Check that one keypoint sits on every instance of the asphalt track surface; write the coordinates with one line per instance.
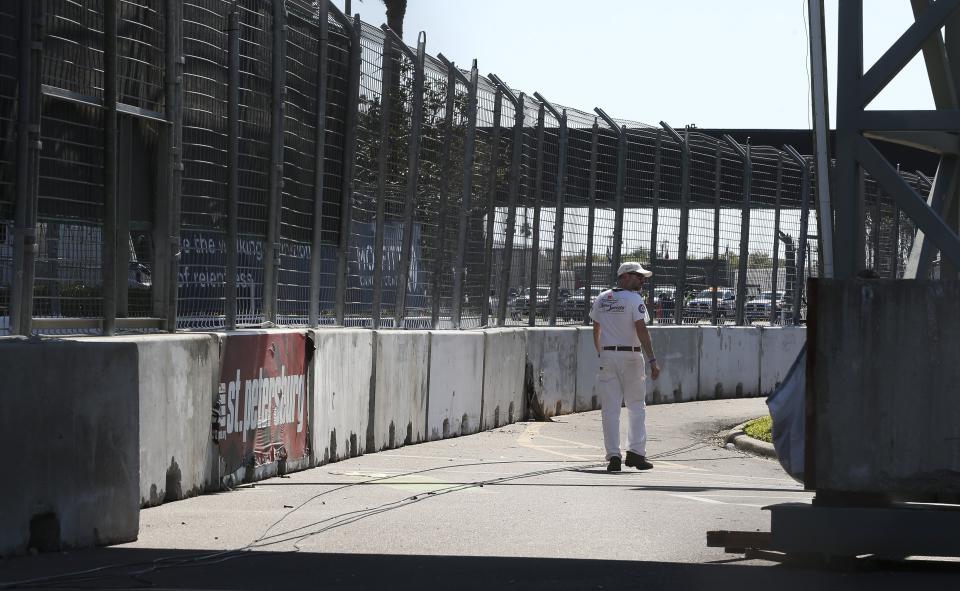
(526, 506)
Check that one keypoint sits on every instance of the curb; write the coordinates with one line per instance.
(748, 444)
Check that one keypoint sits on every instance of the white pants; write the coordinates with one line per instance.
(622, 380)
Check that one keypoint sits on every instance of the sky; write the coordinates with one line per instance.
(739, 64)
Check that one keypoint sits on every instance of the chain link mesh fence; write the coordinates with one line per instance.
(543, 183)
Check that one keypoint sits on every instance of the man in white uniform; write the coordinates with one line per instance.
(620, 335)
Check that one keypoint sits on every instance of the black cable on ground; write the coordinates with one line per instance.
(199, 559)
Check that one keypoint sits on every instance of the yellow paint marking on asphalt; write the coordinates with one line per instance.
(532, 431)
(575, 443)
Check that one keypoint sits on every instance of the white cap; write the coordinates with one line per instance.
(632, 267)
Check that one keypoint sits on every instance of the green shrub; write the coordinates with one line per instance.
(760, 428)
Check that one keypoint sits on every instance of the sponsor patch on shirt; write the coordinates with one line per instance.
(642, 308)
(615, 307)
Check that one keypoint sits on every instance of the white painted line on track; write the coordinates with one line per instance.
(714, 502)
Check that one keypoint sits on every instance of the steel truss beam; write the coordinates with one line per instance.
(918, 128)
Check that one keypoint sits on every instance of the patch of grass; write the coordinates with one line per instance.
(760, 428)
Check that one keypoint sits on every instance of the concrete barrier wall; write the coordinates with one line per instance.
(553, 353)
(342, 367)
(678, 352)
(456, 384)
(730, 362)
(144, 405)
(779, 347)
(70, 415)
(177, 377)
(504, 354)
(588, 364)
(401, 359)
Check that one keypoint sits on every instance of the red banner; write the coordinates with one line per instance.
(262, 399)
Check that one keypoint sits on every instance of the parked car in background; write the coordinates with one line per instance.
(571, 307)
(758, 308)
(543, 294)
(701, 306)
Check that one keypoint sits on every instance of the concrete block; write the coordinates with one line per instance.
(588, 364)
(401, 359)
(678, 352)
(342, 368)
(177, 384)
(729, 362)
(456, 383)
(884, 373)
(779, 347)
(70, 413)
(504, 354)
(553, 353)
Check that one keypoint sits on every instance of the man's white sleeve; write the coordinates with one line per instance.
(640, 311)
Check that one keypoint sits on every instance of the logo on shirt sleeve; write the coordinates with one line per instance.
(642, 309)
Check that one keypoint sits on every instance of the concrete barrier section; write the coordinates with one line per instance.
(729, 362)
(342, 367)
(553, 353)
(678, 352)
(779, 347)
(401, 361)
(456, 383)
(588, 364)
(70, 413)
(504, 361)
(178, 384)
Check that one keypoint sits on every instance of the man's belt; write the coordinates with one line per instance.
(623, 348)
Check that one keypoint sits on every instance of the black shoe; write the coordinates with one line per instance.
(637, 461)
(614, 465)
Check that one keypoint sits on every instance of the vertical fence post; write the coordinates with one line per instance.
(512, 196)
(319, 164)
(349, 153)
(537, 197)
(684, 230)
(805, 196)
(28, 149)
(744, 152)
(616, 247)
(591, 220)
(491, 208)
(559, 217)
(108, 264)
(466, 198)
(233, 164)
(715, 275)
(382, 156)
(654, 224)
(561, 188)
(445, 173)
(776, 243)
(173, 79)
(271, 251)
(413, 174)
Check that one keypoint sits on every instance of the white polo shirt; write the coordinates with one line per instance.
(617, 311)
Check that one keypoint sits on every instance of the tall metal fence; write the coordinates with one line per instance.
(205, 164)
